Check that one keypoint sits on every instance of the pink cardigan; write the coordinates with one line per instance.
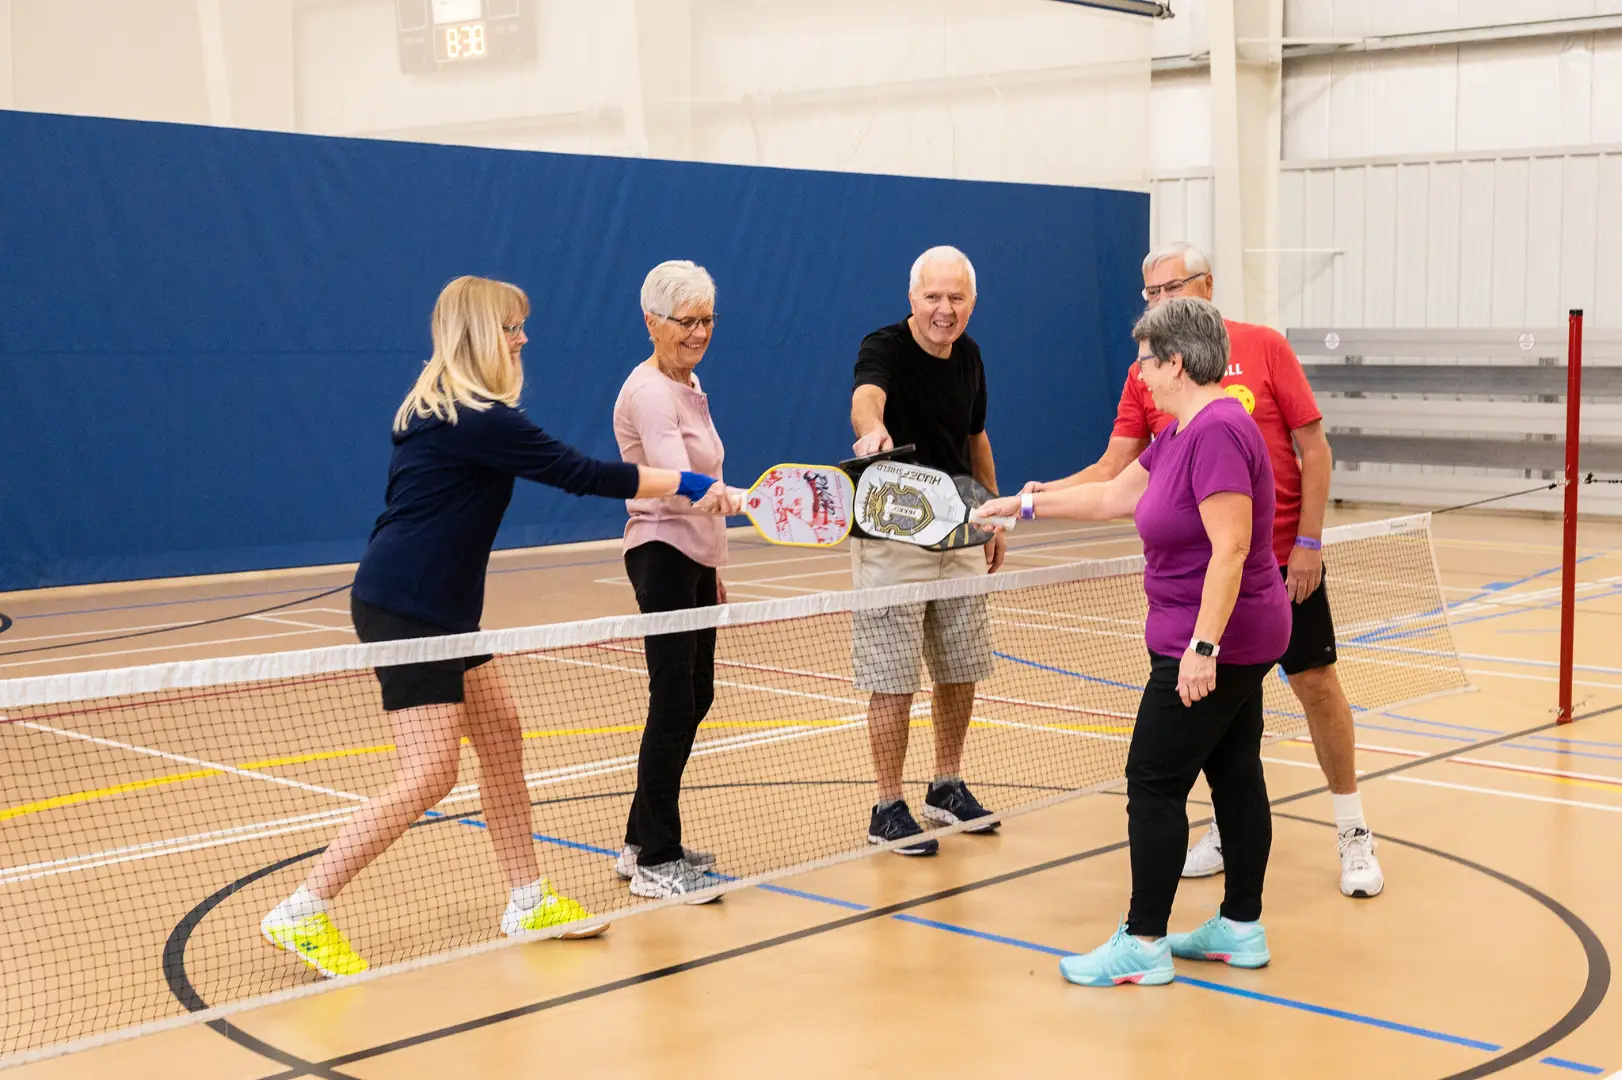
(662, 424)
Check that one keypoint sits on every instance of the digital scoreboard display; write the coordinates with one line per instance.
(448, 36)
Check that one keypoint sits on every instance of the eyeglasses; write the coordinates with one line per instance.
(693, 322)
(1170, 288)
(515, 329)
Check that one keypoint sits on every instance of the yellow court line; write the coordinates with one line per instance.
(322, 755)
(100, 793)
(75, 798)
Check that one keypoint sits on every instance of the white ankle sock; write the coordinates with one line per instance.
(300, 905)
(525, 897)
(945, 778)
(1236, 922)
(1348, 811)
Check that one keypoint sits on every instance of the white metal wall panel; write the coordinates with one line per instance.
(1607, 262)
(1414, 260)
(1380, 257)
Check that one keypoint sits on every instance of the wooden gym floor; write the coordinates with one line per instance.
(1486, 955)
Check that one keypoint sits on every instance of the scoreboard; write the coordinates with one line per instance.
(445, 36)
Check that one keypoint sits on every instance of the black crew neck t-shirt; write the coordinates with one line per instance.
(934, 402)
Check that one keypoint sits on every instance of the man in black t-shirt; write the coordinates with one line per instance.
(921, 381)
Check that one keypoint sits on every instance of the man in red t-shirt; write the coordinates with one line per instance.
(1265, 375)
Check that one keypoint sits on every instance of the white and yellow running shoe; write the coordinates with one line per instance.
(551, 910)
(316, 941)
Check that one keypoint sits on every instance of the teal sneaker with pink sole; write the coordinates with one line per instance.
(1240, 945)
(1121, 959)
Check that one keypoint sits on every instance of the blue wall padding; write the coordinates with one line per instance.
(204, 333)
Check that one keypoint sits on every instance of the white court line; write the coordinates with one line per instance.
(115, 631)
(560, 775)
(1480, 763)
(1522, 677)
(211, 643)
(252, 774)
(1050, 706)
(345, 629)
(1485, 657)
(1471, 788)
(280, 826)
(1505, 794)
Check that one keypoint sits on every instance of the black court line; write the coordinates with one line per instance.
(172, 629)
(174, 949)
(1598, 960)
(1595, 987)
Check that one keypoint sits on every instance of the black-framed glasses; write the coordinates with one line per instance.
(690, 323)
(1171, 288)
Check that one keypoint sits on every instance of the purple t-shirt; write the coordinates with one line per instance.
(1222, 450)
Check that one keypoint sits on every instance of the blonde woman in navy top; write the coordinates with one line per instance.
(460, 439)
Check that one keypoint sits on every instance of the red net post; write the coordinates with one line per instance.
(1568, 552)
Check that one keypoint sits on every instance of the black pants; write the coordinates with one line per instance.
(681, 687)
(1222, 734)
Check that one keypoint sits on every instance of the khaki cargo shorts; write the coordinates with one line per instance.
(888, 644)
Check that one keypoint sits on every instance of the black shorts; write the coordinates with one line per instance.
(407, 686)
(1312, 631)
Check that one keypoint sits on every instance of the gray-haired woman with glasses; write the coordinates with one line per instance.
(672, 557)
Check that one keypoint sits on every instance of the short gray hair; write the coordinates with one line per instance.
(940, 253)
(1194, 260)
(673, 285)
(1189, 327)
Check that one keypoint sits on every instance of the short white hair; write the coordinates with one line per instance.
(675, 284)
(1194, 260)
(940, 253)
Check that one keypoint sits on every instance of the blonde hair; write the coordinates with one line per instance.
(471, 367)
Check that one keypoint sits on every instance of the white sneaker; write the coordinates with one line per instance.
(1360, 874)
(1204, 858)
(678, 877)
(625, 865)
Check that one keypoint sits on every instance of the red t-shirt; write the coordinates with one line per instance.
(1266, 377)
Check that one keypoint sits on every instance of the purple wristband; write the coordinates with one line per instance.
(1309, 543)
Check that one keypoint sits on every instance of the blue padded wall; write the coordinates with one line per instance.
(205, 332)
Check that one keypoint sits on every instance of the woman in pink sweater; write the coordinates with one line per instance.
(673, 557)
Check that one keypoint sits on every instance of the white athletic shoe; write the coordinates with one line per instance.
(625, 865)
(678, 877)
(1204, 858)
(1360, 874)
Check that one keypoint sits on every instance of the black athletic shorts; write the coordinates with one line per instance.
(1312, 631)
(407, 686)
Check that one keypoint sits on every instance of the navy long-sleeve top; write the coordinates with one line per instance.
(449, 486)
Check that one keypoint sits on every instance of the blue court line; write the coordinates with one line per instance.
(1365, 726)
(1019, 943)
(1256, 995)
(1434, 723)
(1575, 742)
(1072, 674)
(1397, 635)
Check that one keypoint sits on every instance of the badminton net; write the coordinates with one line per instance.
(152, 815)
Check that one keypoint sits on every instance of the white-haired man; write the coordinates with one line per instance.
(1266, 376)
(921, 381)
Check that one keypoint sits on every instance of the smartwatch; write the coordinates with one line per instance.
(1027, 506)
(1204, 648)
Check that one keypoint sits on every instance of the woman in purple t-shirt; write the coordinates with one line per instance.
(1202, 499)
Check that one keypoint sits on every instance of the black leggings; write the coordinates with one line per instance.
(1222, 734)
(681, 687)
